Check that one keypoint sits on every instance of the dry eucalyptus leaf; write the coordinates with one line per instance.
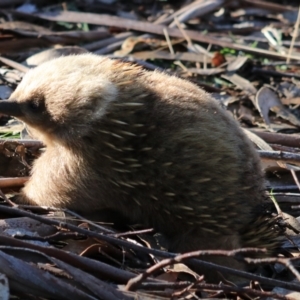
(267, 100)
(168, 276)
(182, 268)
(241, 83)
(129, 44)
(236, 63)
(259, 142)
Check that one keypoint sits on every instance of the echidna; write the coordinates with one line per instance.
(153, 147)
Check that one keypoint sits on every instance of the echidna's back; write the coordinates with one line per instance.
(183, 161)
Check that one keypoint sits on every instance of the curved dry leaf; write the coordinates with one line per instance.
(129, 44)
(267, 100)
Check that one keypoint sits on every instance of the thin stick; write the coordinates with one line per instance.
(168, 41)
(295, 34)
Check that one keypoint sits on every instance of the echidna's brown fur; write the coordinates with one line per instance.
(154, 147)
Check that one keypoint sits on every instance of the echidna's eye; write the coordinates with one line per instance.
(34, 105)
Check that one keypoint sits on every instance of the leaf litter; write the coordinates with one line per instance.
(246, 53)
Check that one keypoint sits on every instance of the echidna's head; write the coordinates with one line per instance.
(64, 96)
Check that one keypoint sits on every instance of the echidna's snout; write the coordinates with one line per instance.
(11, 108)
